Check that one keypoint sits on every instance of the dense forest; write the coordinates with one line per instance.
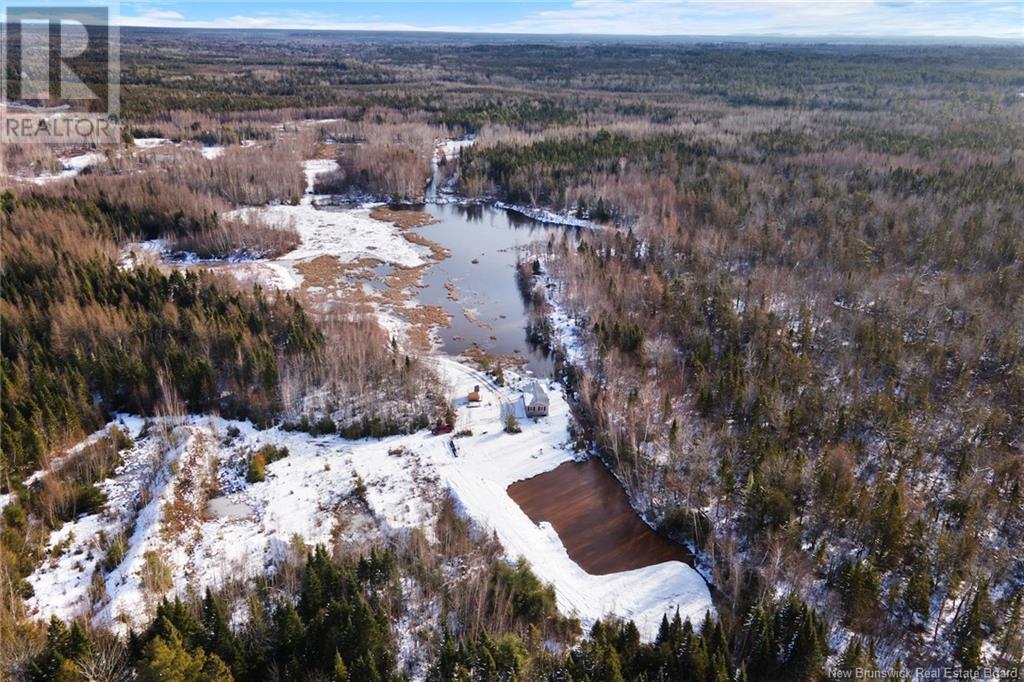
(801, 316)
(328, 618)
(84, 337)
(824, 315)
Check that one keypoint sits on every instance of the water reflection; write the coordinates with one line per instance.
(485, 245)
(471, 212)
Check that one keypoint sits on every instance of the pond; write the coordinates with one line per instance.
(485, 245)
(224, 508)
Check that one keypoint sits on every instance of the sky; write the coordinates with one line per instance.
(1002, 19)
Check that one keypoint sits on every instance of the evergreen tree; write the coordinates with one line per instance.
(859, 587)
(763, 657)
(448, 660)
(63, 646)
(918, 595)
(851, 659)
(340, 670)
(166, 659)
(217, 635)
(289, 635)
(971, 629)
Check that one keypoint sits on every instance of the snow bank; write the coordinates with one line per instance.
(544, 215)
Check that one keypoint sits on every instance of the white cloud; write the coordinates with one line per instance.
(779, 17)
(269, 21)
(162, 15)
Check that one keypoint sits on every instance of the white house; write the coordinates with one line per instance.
(536, 401)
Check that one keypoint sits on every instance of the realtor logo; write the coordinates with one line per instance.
(61, 75)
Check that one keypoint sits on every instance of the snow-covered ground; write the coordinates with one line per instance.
(302, 495)
(491, 460)
(452, 148)
(311, 169)
(447, 149)
(150, 142)
(175, 473)
(61, 584)
(208, 151)
(545, 216)
(270, 274)
(72, 166)
(348, 234)
(212, 152)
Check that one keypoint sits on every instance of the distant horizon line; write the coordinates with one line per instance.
(638, 37)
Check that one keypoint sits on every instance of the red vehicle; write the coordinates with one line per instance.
(442, 428)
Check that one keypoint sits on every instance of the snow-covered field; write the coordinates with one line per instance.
(348, 234)
(491, 460)
(303, 493)
(72, 166)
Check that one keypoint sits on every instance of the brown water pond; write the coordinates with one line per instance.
(589, 510)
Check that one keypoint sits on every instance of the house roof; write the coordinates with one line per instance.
(537, 395)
